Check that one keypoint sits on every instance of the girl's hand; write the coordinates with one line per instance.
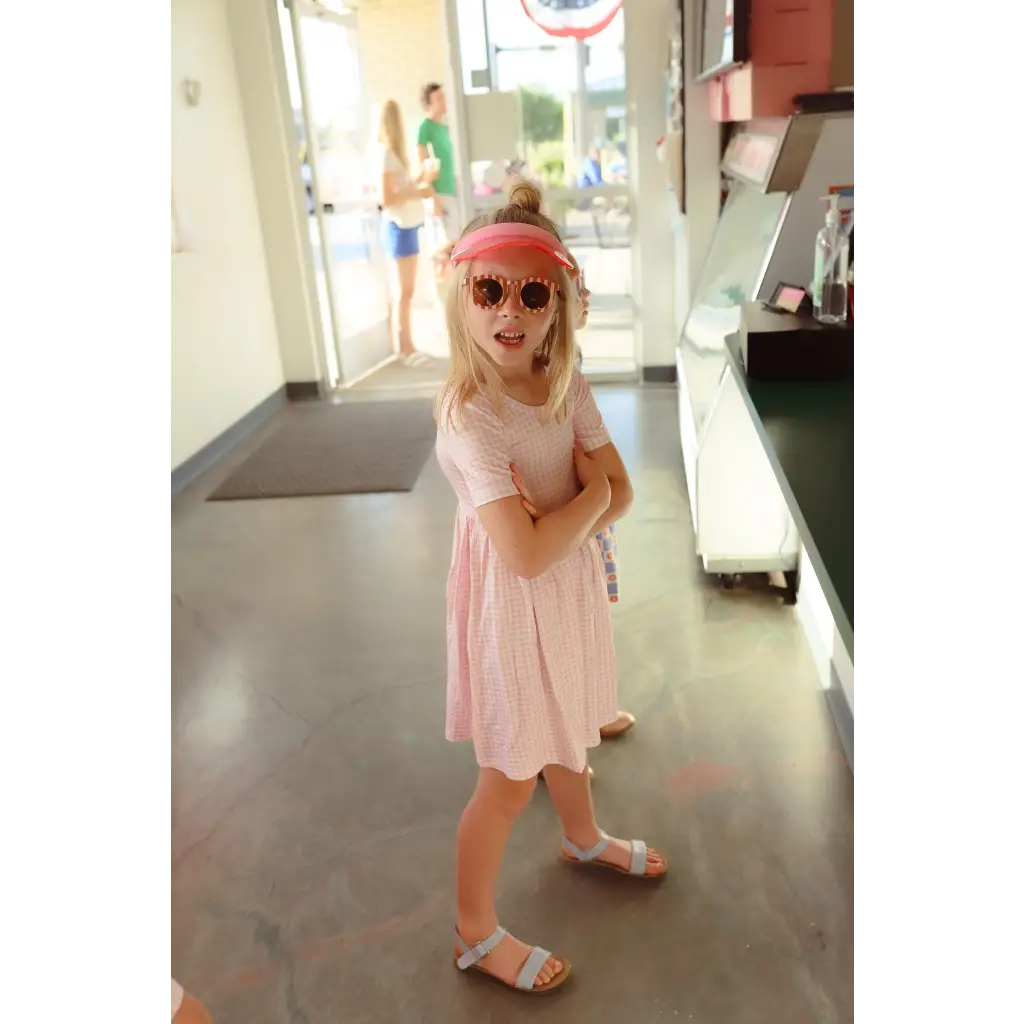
(587, 470)
(527, 502)
(583, 309)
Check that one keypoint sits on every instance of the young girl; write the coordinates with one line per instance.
(531, 665)
(443, 270)
(624, 721)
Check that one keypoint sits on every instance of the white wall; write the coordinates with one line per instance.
(702, 156)
(648, 23)
(224, 349)
(457, 117)
(693, 232)
(402, 46)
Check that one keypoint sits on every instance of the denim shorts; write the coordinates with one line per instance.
(399, 242)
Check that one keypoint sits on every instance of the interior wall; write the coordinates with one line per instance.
(402, 46)
(457, 118)
(224, 344)
(702, 155)
(273, 149)
(647, 31)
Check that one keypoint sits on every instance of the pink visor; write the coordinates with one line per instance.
(505, 236)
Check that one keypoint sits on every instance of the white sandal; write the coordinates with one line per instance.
(637, 861)
(472, 956)
(416, 359)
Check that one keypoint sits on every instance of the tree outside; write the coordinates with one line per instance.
(542, 115)
(543, 135)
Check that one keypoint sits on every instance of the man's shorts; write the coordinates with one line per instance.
(450, 219)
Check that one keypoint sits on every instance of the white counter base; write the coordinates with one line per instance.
(832, 660)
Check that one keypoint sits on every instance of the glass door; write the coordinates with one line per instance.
(554, 111)
(333, 146)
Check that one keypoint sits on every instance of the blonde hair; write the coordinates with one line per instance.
(470, 372)
(391, 131)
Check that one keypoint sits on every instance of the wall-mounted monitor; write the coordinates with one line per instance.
(724, 36)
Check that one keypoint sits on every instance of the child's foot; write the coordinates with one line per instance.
(629, 857)
(506, 960)
(623, 723)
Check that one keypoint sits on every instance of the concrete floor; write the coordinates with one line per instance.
(315, 798)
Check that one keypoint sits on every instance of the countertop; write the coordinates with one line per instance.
(807, 432)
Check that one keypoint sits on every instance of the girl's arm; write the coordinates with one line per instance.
(621, 501)
(621, 490)
(530, 548)
(591, 433)
(392, 194)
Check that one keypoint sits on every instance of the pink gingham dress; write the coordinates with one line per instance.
(531, 663)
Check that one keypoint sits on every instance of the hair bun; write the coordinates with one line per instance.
(525, 196)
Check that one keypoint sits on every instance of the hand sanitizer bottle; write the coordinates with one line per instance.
(831, 256)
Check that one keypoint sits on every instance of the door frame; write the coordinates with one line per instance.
(298, 10)
(295, 13)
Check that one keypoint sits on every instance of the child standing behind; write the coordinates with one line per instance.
(531, 664)
(624, 721)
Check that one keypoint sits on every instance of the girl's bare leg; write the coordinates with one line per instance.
(483, 832)
(570, 792)
(406, 267)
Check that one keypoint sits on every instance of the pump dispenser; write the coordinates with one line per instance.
(831, 257)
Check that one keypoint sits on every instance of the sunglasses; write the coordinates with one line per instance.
(489, 291)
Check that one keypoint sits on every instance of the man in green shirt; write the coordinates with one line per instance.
(433, 135)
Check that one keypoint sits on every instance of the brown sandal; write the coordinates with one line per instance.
(472, 956)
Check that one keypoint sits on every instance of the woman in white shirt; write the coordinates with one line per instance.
(402, 206)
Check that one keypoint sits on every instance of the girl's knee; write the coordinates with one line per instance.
(520, 794)
(510, 796)
(516, 796)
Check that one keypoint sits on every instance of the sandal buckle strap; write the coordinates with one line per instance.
(474, 954)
